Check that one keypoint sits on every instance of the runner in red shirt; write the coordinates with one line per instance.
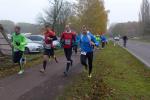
(50, 36)
(67, 40)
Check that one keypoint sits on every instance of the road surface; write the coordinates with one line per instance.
(34, 85)
(141, 50)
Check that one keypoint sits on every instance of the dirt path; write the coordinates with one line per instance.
(36, 86)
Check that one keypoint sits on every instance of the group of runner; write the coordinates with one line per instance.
(69, 41)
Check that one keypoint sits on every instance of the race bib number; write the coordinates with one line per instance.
(48, 46)
(83, 53)
(68, 42)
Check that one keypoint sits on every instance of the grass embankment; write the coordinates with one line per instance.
(8, 68)
(117, 76)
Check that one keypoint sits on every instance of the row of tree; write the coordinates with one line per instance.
(91, 13)
(25, 27)
(140, 28)
(129, 28)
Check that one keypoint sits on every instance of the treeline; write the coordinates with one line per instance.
(139, 28)
(129, 28)
(91, 13)
(25, 27)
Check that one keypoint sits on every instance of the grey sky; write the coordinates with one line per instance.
(27, 10)
(123, 10)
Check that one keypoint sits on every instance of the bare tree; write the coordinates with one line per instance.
(58, 14)
(52, 13)
(144, 17)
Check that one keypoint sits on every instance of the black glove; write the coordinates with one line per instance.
(17, 43)
(54, 38)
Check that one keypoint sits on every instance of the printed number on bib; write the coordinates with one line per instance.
(68, 42)
(83, 53)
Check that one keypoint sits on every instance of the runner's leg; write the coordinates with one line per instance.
(90, 61)
(83, 59)
(45, 59)
(76, 49)
(69, 60)
(53, 55)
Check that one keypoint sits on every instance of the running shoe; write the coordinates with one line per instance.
(90, 76)
(65, 73)
(42, 71)
(20, 72)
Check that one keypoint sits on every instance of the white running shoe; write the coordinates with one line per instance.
(20, 72)
(90, 76)
(42, 71)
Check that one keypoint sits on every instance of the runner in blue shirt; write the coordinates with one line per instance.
(86, 41)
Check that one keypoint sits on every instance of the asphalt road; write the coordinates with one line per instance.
(141, 50)
(34, 85)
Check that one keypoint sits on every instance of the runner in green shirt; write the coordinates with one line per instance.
(19, 42)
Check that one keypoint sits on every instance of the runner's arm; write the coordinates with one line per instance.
(24, 41)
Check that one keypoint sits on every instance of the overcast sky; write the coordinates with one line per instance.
(28, 10)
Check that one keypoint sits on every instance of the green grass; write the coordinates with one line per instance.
(8, 68)
(117, 76)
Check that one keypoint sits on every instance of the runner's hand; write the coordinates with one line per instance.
(97, 44)
(92, 43)
(17, 43)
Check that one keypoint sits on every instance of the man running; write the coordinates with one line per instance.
(98, 40)
(116, 40)
(19, 42)
(86, 43)
(67, 40)
(103, 41)
(50, 36)
(125, 38)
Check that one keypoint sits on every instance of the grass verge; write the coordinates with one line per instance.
(117, 76)
(8, 68)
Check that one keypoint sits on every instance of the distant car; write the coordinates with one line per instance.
(36, 38)
(116, 38)
(33, 47)
(40, 39)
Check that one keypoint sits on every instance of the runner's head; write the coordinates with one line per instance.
(17, 29)
(48, 28)
(67, 28)
(43, 30)
(84, 30)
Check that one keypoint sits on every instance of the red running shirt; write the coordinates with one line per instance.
(68, 39)
(49, 34)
